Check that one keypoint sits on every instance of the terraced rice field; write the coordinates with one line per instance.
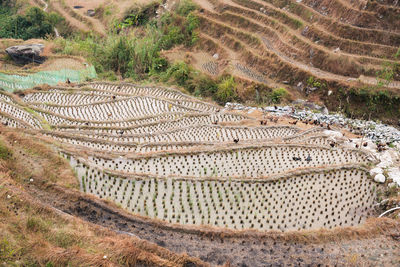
(341, 41)
(163, 154)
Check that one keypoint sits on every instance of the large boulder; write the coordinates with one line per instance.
(24, 54)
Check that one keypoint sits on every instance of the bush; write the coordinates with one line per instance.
(278, 94)
(386, 75)
(35, 23)
(185, 7)
(139, 15)
(172, 37)
(159, 65)
(179, 72)
(226, 91)
(5, 153)
(204, 86)
(117, 55)
(192, 23)
(109, 75)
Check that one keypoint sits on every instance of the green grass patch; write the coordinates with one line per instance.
(278, 94)
(5, 153)
(36, 224)
(8, 252)
(64, 239)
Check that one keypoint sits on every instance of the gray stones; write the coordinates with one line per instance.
(305, 31)
(24, 54)
(91, 13)
(370, 129)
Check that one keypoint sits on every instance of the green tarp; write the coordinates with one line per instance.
(19, 82)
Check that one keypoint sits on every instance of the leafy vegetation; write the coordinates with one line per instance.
(388, 72)
(5, 153)
(226, 90)
(370, 102)
(397, 55)
(311, 81)
(136, 53)
(278, 94)
(34, 23)
(139, 15)
(7, 250)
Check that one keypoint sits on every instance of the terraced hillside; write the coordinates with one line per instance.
(342, 42)
(177, 166)
(163, 154)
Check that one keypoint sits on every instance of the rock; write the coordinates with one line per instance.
(375, 171)
(380, 178)
(329, 92)
(216, 56)
(312, 106)
(324, 110)
(305, 31)
(91, 13)
(334, 134)
(394, 174)
(300, 87)
(24, 54)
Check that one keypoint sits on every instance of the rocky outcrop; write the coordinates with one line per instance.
(24, 54)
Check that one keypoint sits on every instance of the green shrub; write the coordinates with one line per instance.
(159, 65)
(386, 75)
(5, 153)
(139, 15)
(192, 23)
(179, 72)
(185, 7)
(226, 91)
(108, 75)
(204, 86)
(35, 23)
(117, 54)
(278, 94)
(172, 37)
(311, 81)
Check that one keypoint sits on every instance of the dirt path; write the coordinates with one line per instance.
(73, 21)
(45, 10)
(91, 24)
